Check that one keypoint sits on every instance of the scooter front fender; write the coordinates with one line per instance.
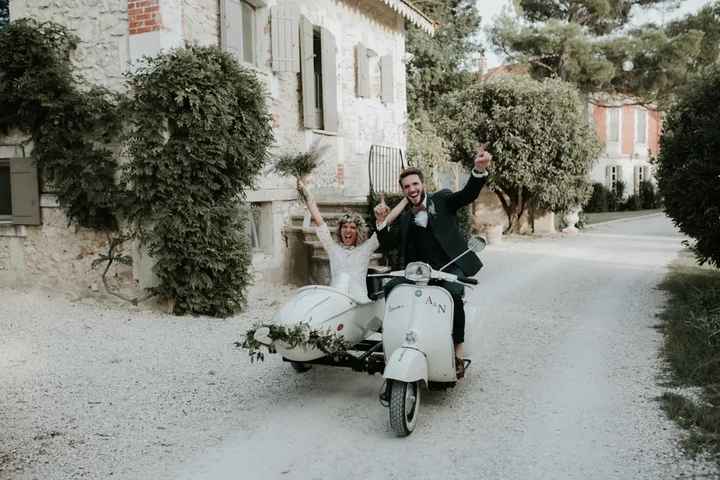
(407, 365)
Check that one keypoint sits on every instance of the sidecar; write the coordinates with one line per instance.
(327, 309)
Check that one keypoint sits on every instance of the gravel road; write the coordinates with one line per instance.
(563, 384)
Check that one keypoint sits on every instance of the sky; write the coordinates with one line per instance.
(491, 8)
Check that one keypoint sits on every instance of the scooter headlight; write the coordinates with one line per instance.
(418, 272)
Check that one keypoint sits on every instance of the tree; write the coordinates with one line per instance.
(586, 42)
(435, 65)
(688, 166)
(541, 141)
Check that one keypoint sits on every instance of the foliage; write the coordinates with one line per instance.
(541, 142)
(649, 198)
(199, 135)
(299, 164)
(426, 149)
(435, 63)
(691, 327)
(72, 126)
(585, 43)
(688, 167)
(599, 200)
(300, 335)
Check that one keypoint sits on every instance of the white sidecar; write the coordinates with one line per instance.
(327, 309)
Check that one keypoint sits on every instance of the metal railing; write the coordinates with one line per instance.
(384, 167)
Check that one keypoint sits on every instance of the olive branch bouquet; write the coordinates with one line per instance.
(300, 164)
(301, 334)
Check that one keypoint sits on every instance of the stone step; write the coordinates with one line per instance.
(331, 219)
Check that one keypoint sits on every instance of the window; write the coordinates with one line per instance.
(4, 12)
(641, 126)
(613, 175)
(318, 54)
(240, 29)
(5, 197)
(614, 125)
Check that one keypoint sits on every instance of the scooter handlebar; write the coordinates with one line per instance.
(464, 279)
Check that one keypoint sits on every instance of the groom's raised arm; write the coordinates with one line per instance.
(478, 178)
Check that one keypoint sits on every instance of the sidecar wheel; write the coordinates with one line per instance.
(404, 406)
(300, 367)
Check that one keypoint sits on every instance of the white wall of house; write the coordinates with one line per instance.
(114, 35)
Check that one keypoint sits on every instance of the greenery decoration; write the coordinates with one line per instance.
(542, 145)
(199, 133)
(300, 335)
(688, 166)
(300, 164)
(73, 126)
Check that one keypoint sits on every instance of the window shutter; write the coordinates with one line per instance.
(307, 59)
(25, 192)
(636, 179)
(232, 28)
(646, 173)
(329, 80)
(285, 49)
(363, 71)
(388, 86)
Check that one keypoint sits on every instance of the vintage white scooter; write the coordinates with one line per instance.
(415, 349)
(417, 338)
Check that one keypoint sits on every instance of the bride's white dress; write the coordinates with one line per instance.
(348, 265)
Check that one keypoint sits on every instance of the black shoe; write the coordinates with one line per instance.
(384, 395)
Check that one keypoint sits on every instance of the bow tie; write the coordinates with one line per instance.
(418, 209)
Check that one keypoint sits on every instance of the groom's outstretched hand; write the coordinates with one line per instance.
(381, 210)
(482, 158)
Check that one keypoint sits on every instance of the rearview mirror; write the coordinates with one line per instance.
(476, 244)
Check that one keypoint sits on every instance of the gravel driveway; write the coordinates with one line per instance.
(562, 386)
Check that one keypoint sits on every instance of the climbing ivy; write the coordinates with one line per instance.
(71, 125)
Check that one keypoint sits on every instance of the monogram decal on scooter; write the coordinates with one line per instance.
(442, 308)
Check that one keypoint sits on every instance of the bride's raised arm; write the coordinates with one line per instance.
(310, 202)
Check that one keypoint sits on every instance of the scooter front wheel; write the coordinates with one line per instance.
(404, 406)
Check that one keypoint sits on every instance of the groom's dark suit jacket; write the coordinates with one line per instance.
(442, 210)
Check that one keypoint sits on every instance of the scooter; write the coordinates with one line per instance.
(415, 323)
(417, 339)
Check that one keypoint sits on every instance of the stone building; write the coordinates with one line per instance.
(334, 72)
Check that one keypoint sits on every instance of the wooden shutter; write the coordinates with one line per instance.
(329, 80)
(388, 79)
(25, 192)
(307, 61)
(636, 179)
(362, 72)
(232, 28)
(285, 37)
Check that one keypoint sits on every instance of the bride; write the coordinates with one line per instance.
(350, 251)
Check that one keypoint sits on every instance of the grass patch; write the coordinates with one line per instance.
(691, 327)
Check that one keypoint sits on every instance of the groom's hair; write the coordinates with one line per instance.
(411, 171)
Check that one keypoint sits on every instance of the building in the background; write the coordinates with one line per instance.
(334, 71)
(630, 135)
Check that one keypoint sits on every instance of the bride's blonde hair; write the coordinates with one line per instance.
(359, 221)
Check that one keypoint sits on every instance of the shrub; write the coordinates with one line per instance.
(688, 165)
(599, 200)
(542, 144)
(649, 198)
(199, 135)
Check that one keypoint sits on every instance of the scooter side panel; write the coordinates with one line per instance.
(326, 310)
(426, 311)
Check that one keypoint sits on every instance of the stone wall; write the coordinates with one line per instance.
(102, 25)
(55, 255)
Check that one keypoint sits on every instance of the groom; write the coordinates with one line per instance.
(428, 232)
